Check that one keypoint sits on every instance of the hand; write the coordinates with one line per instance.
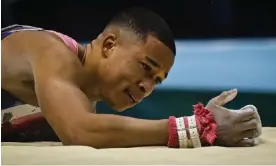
(232, 126)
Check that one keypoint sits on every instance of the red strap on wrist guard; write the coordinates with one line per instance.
(206, 124)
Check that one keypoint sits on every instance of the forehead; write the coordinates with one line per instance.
(159, 52)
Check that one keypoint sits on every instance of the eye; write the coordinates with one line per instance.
(158, 80)
(145, 66)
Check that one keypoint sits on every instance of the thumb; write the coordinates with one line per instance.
(225, 97)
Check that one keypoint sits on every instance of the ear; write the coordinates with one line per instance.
(108, 44)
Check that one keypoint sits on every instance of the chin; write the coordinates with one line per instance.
(120, 108)
(116, 107)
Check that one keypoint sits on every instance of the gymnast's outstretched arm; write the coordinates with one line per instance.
(66, 109)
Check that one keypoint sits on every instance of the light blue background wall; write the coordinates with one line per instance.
(246, 64)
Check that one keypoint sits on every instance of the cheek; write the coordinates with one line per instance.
(117, 71)
(133, 71)
(124, 67)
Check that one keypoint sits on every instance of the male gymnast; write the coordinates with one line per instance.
(122, 66)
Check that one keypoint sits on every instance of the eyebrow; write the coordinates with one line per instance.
(154, 63)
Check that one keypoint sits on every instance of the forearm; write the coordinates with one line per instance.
(112, 131)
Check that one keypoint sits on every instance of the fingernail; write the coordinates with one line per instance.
(232, 91)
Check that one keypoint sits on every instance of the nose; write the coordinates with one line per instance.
(146, 87)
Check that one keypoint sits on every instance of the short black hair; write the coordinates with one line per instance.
(143, 22)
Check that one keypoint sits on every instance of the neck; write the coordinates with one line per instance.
(92, 82)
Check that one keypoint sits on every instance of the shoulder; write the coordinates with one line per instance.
(50, 57)
(45, 46)
(71, 43)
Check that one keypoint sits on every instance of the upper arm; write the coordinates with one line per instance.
(59, 94)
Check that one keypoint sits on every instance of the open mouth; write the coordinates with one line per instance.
(131, 97)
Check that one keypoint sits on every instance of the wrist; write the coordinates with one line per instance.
(183, 132)
(192, 131)
(173, 135)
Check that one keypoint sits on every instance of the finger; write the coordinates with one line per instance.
(256, 116)
(249, 133)
(247, 142)
(249, 125)
(250, 107)
(245, 115)
(253, 108)
(225, 97)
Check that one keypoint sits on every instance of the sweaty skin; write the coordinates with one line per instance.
(48, 74)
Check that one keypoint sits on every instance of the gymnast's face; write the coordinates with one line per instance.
(131, 69)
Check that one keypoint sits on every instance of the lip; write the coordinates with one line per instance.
(131, 96)
(134, 96)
